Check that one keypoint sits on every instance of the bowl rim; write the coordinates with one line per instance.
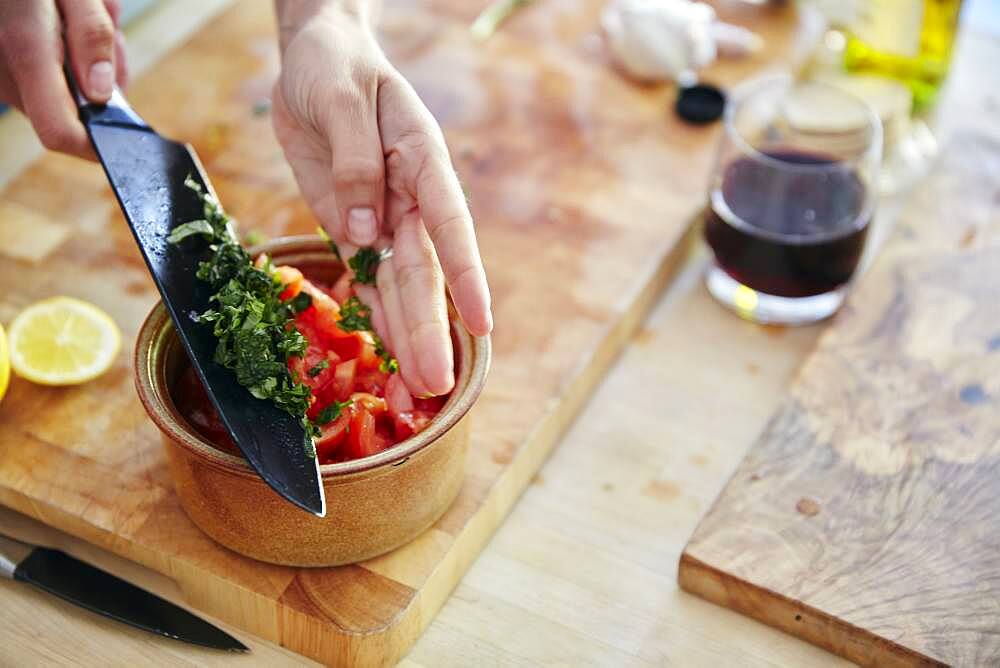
(157, 333)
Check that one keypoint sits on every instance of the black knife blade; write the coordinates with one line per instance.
(147, 173)
(98, 591)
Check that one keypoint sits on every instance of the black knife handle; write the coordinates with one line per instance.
(116, 112)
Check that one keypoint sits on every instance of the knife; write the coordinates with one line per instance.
(147, 173)
(91, 588)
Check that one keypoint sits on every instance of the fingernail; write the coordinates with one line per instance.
(102, 79)
(361, 226)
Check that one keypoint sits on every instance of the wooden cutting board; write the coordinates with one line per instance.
(864, 519)
(583, 186)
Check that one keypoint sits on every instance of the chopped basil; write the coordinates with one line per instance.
(251, 324)
(332, 412)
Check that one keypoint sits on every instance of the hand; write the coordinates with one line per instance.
(31, 63)
(372, 163)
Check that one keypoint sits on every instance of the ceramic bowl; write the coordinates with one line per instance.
(374, 504)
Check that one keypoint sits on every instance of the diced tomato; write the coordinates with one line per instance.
(383, 436)
(343, 380)
(381, 411)
(292, 279)
(429, 404)
(372, 381)
(305, 322)
(313, 358)
(410, 423)
(341, 290)
(332, 436)
(402, 425)
(348, 347)
(369, 402)
(397, 397)
(324, 311)
(421, 419)
(361, 438)
(367, 359)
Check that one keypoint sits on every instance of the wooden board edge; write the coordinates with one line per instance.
(794, 617)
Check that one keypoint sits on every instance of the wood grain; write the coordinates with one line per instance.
(862, 519)
(591, 208)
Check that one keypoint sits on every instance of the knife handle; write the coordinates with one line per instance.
(12, 553)
(116, 112)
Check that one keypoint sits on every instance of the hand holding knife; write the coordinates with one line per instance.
(147, 173)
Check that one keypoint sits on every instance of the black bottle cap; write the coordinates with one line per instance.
(700, 104)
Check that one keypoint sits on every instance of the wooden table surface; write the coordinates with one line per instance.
(583, 572)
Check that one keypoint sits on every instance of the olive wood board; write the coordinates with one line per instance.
(583, 186)
(864, 518)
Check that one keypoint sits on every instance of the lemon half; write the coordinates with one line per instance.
(62, 341)
(4, 364)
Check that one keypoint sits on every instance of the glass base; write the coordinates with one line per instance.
(756, 306)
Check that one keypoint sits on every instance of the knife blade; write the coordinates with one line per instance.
(146, 172)
(80, 583)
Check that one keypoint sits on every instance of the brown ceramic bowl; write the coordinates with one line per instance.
(374, 504)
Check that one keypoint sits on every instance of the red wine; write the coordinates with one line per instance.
(788, 232)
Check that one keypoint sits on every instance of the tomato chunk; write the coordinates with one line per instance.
(369, 402)
(376, 410)
(397, 397)
(292, 279)
(361, 438)
(332, 436)
(410, 423)
(343, 379)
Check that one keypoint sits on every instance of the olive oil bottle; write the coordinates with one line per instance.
(907, 40)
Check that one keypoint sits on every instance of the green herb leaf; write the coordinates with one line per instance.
(332, 412)
(318, 369)
(300, 303)
(253, 327)
(182, 232)
(354, 316)
(388, 363)
(254, 237)
(364, 264)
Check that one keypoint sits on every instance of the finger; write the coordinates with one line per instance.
(357, 164)
(33, 54)
(347, 250)
(121, 64)
(421, 292)
(449, 224)
(395, 321)
(114, 8)
(369, 296)
(8, 90)
(418, 165)
(90, 37)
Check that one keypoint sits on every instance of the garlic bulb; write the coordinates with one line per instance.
(669, 40)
